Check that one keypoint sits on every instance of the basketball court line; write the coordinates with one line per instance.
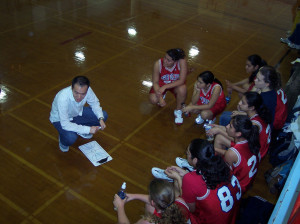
(93, 205)
(13, 205)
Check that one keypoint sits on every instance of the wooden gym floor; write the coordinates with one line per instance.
(45, 43)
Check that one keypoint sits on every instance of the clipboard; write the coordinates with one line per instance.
(95, 153)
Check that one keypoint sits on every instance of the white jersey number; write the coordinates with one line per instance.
(284, 99)
(252, 162)
(225, 196)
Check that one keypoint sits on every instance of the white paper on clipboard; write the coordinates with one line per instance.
(94, 152)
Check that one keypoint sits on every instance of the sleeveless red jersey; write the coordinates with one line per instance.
(264, 134)
(281, 110)
(168, 75)
(245, 168)
(204, 97)
(218, 205)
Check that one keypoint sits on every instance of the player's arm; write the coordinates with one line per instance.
(230, 157)
(141, 197)
(196, 94)
(242, 82)
(214, 97)
(155, 77)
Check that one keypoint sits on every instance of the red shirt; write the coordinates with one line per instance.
(281, 110)
(245, 168)
(219, 205)
(264, 134)
(204, 97)
(167, 75)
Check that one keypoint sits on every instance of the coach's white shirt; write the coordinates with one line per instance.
(64, 108)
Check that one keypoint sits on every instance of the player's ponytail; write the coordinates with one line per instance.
(208, 77)
(212, 167)
(255, 100)
(163, 194)
(250, 132)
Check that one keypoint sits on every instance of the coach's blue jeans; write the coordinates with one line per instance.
(88, 118)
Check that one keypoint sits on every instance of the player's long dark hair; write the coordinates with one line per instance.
(243, 124)
(255, 60)
(208, 77)
(176, 54)
(212, 167)
(271, 76)
(255, 100)
(163, 194)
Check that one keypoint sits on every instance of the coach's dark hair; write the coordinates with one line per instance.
(212, 167)
(271, 76)
(176, 54)
(243, 124)
(255, 60)
(208, 77)
(255, 100)
(81, 81)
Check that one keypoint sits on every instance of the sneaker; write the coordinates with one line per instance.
(294, 46)
(184, 164)
(62, 147)
(199, 119)
(178, 117)
(160, 174)
(211, 121)
(87, 136)
(285, 40)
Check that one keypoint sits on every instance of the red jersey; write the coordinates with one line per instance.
(182, 206)
(220, 104)
(168, 75)
(281, 110)
(218, 205)
(264, 134)
(245, 168)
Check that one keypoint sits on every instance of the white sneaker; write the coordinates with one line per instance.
(184, 164)
(178, 117)
(62, 147)
(212, 121)
(285, 40)
(87, 136)
(160, 174)
(199, 119)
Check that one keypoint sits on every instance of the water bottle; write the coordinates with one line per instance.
(207, 126)
(187, 114)
(121, 193)
(228, 98)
